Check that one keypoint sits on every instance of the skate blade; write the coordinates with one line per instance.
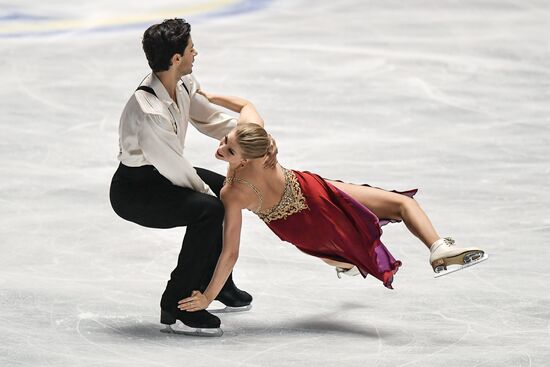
(457, 267)
(182, 329)
(462, 258)
(229, 309)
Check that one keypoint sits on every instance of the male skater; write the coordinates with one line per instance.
(155, 186)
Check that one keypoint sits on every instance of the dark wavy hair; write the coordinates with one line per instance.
(161, 41)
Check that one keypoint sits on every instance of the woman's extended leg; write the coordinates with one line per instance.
(390, 205)
(338, 263)
(342, 268)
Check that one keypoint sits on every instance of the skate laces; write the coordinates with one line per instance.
(449, 241)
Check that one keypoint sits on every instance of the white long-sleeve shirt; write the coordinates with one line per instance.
(152, 129)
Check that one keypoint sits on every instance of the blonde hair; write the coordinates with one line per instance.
(253, 140)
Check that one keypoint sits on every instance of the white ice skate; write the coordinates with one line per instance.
(351, 272)
(446, 258)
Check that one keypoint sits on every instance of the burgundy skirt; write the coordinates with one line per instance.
(337, 227)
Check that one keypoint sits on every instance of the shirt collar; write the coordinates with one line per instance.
(162, 94)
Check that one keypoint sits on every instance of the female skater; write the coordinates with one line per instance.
(335, 221)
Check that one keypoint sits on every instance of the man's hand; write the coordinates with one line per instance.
(271, 157)
(196, 302)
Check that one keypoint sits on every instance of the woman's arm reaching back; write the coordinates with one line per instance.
(246, 109)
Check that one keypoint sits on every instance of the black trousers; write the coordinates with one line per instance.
(143, 196)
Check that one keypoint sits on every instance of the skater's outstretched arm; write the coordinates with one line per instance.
(234, 202)
(247, 111)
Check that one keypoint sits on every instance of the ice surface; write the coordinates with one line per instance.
(448, 96)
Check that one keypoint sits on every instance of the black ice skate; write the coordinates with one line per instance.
(200, 323)
(234, 300)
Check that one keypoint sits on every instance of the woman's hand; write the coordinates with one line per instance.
(196, 302)
(208, 96)
(271, 157)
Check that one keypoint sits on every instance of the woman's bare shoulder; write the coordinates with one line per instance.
(232, 194)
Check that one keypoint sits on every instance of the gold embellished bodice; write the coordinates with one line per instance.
(292, 201)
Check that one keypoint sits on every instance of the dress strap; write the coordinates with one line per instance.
(230, 180)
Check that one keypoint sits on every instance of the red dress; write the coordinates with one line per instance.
(323, 221)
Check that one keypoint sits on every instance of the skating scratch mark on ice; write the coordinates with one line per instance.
(517, 298)
(515, 333)
(281, 346)
(449, 346)
(120, 332)
(527, 229)
(507, 354)
(41, 98)
(39, 277)
(494, 64)
(438, 96)
(128, 357)
(154, 262)
(92, 68)
(81, 126)
(498, 311)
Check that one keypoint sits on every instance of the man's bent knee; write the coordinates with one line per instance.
(213, 209)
